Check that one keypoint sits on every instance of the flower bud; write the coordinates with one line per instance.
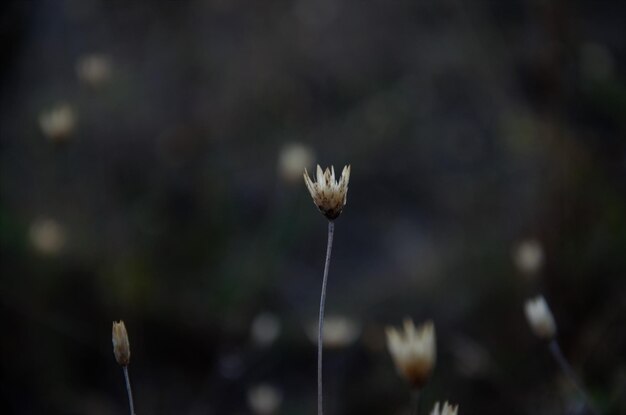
(121, 347)
(329, 195)
(540, 318)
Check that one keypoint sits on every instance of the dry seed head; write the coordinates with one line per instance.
(540, 318)
(447, 409)
(413, 351)
(329, 195)
(121, 347)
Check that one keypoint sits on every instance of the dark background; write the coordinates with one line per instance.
(470, 127)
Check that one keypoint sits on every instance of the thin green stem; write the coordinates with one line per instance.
(567, 369)
(415, 401)
(131, 403)
(329, 248)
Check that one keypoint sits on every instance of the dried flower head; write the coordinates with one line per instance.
(329, 194)
(121, 347)
(447, 409)
(414, 351)
(540, 318)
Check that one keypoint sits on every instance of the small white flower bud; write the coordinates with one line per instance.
(121, 346)
(540, 318)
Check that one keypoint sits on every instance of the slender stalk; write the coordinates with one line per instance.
(555, 349)
(329, 248)
(129, 391)
(415, 401)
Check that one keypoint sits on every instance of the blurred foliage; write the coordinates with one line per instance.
(159, 198)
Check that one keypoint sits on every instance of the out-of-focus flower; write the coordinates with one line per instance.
(58, 123)
(540, 318)
(264, 399)
(329, 194)
(121, 346)
(446, 409)
(265, 329)
(413, 351)
(472, 359)
(338, 332)
(293, 158)
(47, 236)
(93, 70)
(528, 256)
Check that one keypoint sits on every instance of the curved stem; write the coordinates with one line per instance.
(129, 391)
(555, 349)
(415, 401)
(329, 248)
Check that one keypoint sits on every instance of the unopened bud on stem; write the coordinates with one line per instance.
(540, 318)
(121, 347)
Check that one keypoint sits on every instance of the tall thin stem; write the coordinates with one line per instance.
(329, 248)
(415, 401)
(129, 391)
(555, 349)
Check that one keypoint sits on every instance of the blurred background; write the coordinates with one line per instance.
(151, 161)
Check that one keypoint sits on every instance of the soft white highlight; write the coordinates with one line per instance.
(540, 318)
(264, 399)
(339, 332)
(293, 158)
(528, 256)
(58, 123)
